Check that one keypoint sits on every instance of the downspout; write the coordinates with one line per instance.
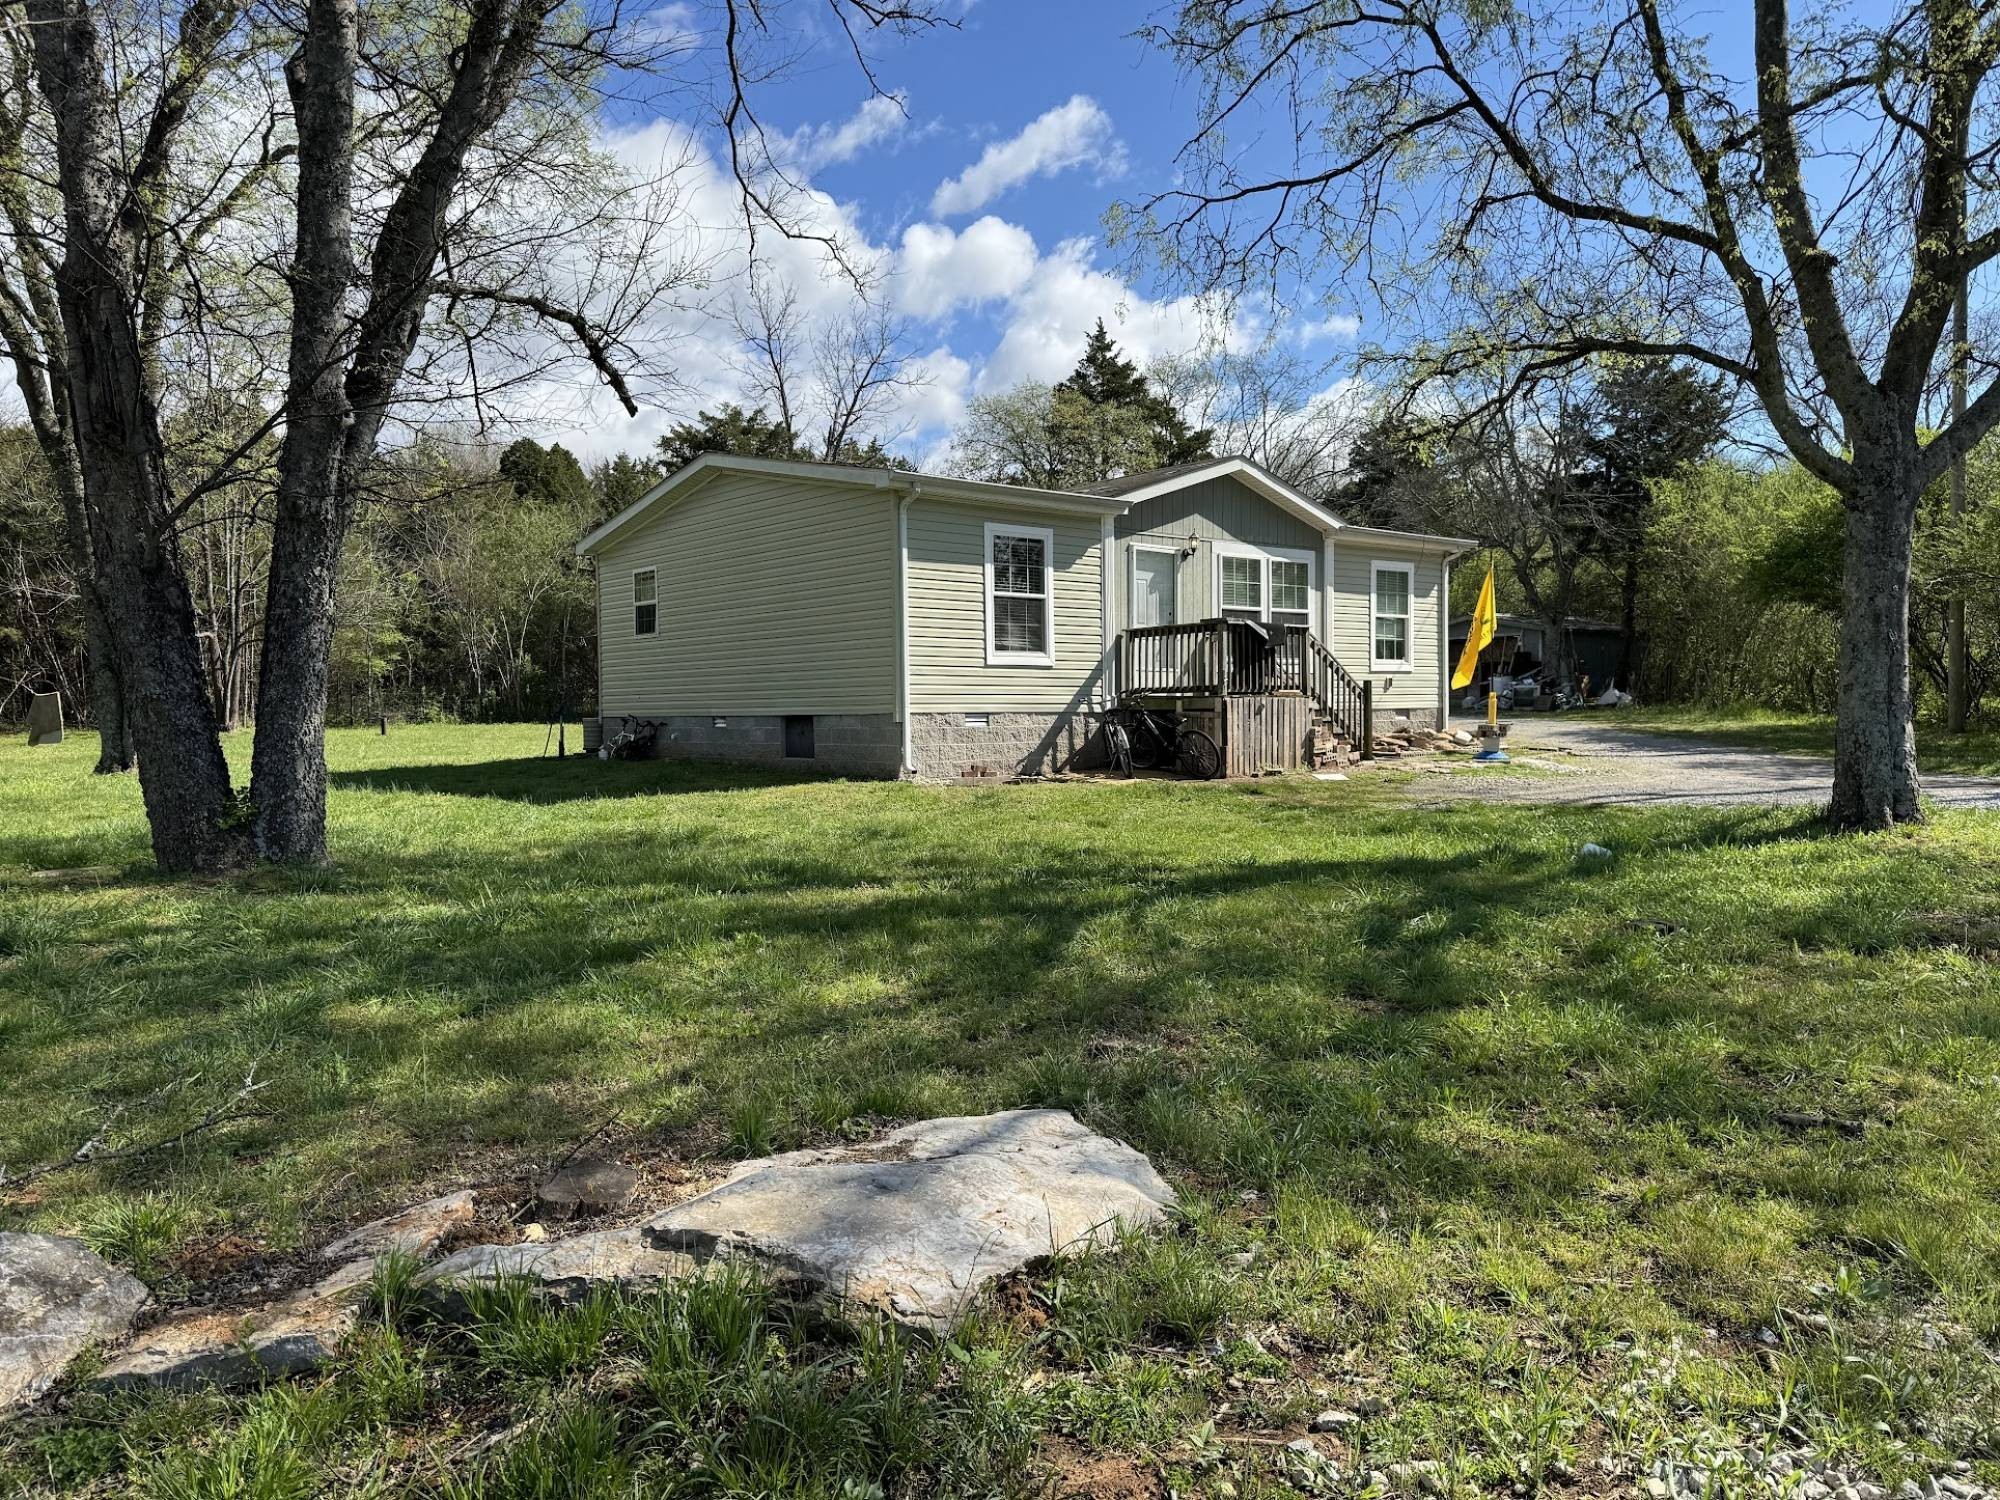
(1444, 643)
(909, 769)
(1106, 689)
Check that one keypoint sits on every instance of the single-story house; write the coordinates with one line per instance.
(1521, 643)
(883, 623)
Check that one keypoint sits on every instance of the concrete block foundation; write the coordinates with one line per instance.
(951, 746)
(842, 744)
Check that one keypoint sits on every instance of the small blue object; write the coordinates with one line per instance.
(1494, 757)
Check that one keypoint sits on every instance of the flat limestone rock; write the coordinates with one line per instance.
(45, 721)
(232, 1346)
(917, 1222)
(56, 1299)
(565, 1270)
(589, 1187)
(417, 1230)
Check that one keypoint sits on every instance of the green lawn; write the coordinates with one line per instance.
(1976, 753)
(1574, 1164)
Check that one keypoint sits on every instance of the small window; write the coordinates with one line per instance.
(1243, 583)
(1392, 615)
(798, 737)
(977, 721)
(645, 602)
(1291, 587)
(1017, 595)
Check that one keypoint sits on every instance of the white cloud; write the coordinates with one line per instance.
(881, 117)
(1340, 327)
(1075, 134)
(939, 270)
(1036, 308)
(1067, 294)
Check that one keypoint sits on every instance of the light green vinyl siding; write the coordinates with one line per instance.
(1353, 613)
(776, 596)
(1211, 511)
(948, 670)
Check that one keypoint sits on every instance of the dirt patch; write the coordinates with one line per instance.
(1976, 934)
(1016, 1302)
(1076, 1473)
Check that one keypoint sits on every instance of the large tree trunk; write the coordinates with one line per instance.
(1875, 781)
(288, 765)
(182, 773)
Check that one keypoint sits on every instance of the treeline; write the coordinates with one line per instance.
(459, 595)
(1619, 494)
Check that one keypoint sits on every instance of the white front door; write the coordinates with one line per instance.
(1153, 586)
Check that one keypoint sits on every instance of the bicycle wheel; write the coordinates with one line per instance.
(1198, 757)
(1118, 750)
(1146, 746)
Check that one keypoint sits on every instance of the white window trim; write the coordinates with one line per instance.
(994, 656)
(637, 574)
(1265, 556)
(1132, 577)
(1407, 663)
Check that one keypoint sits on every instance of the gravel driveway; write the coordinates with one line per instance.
(1587, 758)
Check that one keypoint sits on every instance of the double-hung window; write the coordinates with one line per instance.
(1243, 583)
(645, 602)
(1291, 590)
(1393, 586)
(1274, 585)
(1019, 623)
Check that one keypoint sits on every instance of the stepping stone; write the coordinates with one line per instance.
(589, 1187)
(234, 1346)
(417, 1230)
(57, 1298)
(917, 1222)
(566, 1271)
(45, 721)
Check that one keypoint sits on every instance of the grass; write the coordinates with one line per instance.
(1975, 753)
(1570, 1165)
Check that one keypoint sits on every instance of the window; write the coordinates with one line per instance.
(645, 602)
(1243, 583)
(1018, 622)
(1291, 587)
(798, 736)
(1394, 583)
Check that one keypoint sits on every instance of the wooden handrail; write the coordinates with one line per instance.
(1348, 702)
(1218, 658)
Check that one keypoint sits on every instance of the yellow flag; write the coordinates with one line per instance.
(1484, 618)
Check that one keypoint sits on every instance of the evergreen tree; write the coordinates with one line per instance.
(1112, 386)
(729, 429)
(621, 481)
(1652, 419)
(549, 475)
(1389, 458)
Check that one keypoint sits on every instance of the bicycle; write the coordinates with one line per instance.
(1156, 738)
(634, 742)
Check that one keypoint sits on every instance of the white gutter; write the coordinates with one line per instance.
(1105, 591)
(909, 769)
(1444, 644)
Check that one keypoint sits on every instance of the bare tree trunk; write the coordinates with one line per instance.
(182, 773)
(288, 764)
(1875, 782)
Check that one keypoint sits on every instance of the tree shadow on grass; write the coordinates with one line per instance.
(542, 781)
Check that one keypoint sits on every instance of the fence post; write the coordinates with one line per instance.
(1367, 718)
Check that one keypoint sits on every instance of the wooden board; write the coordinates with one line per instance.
(1265, 733)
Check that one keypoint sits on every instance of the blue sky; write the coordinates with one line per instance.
(982, 199)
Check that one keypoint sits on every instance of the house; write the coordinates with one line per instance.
(881, 623)
(1521, 644)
